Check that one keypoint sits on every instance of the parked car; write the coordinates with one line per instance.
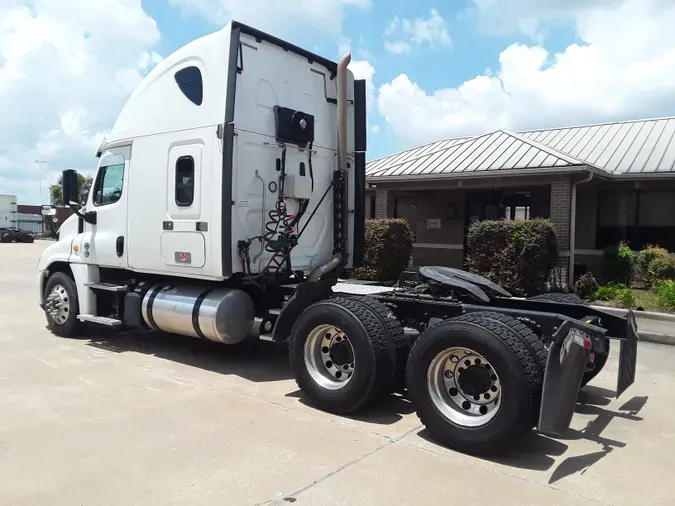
(7, 236)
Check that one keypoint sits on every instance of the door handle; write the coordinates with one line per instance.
(120, 246)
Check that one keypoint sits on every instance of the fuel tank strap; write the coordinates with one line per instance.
(195, 312)
(151, 300)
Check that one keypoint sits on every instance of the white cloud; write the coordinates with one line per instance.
(282, 17)
(66, 68)
(533, 17)
(398, 47)
(364, 70)
(408, 33)
(624, 68)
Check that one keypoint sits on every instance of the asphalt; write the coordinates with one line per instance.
(139, 419)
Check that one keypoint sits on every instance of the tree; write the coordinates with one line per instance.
(56, 190)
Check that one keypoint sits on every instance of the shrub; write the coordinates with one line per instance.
(661, 269)
(666, 293)
(388, 246)
(619, 263)
(519, 255)
(586, 286)
(644, 261)
(607, 292)
(625, 298)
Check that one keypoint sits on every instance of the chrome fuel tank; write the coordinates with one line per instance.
(224, 315)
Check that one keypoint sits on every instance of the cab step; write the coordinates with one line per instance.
(101, 320)
(108, 287)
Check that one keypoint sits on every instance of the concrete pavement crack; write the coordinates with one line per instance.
(290, 497)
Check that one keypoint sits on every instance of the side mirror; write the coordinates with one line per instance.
(71, 191)
(48, 210)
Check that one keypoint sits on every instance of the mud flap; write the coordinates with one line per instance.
(627, 356)
(568, 357)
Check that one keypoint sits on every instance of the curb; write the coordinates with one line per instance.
(663, 317)
(651, 337)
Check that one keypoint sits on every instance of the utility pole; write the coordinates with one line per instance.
(40, 162)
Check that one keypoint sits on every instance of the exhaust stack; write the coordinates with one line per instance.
(342, 110)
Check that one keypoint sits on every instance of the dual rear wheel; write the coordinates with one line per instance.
(475, 380)
(346, 352)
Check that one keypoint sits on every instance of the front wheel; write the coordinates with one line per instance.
(474, 384)
(61, 305)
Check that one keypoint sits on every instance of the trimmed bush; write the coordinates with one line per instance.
(388, 246)
(519, 255)
(644, 261)
(661, 269)
(586, 286)
(618, 264)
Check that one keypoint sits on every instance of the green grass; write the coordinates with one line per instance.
(651, 301)
(660, 299)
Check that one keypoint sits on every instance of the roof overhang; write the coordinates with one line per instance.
(455, 176)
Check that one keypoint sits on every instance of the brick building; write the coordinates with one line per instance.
(599, 184)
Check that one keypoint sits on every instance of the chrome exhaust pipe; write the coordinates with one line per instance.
(342, 110)
(321, 270)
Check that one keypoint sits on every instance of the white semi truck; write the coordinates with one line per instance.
(228, 200)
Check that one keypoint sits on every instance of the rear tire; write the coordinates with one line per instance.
(61, 288)
(461, 415)
(336, 338)
(393, 331)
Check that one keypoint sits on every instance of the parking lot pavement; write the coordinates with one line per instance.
(154, 419)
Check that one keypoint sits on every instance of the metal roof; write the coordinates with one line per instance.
(498, 150)
(630, 147)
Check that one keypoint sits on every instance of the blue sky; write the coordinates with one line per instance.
(435, 68)
(473, 49)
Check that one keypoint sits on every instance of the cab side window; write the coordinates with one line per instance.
(185, 181)
(109, 184)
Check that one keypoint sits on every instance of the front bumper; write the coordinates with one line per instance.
(569, 355)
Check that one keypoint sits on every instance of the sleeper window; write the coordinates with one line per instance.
(185, 181)
(109, 184)
(190, 82)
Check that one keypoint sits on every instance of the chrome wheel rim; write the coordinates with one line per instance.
(464, 387)
(57, 304)
(329, 357)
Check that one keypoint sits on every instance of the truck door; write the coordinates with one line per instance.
(104, 240)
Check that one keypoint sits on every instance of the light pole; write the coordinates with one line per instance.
(40, 162)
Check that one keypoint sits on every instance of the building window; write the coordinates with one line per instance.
(636, 217)
(372, 206)
(109, 184)
(517, 213)
(189, 81)
(185, 181)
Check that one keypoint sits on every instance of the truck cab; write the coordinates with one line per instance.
(220, 166)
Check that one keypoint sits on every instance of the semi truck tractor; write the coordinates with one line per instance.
(228, 201)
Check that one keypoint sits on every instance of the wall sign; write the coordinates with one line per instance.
(434, 223)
